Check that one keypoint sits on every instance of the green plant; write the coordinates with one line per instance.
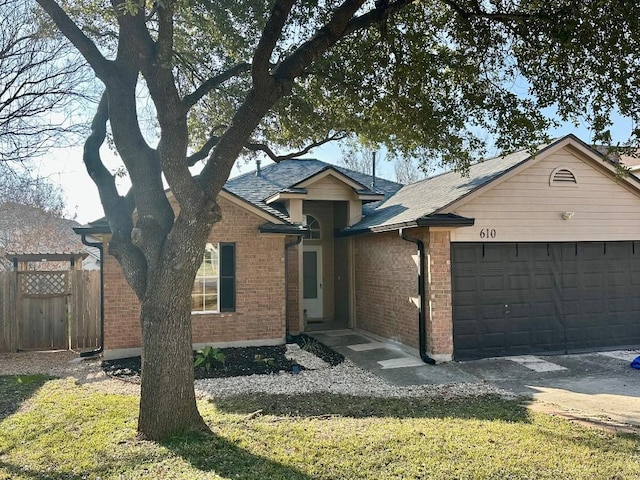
(209, 357)
(259, 358)
(310, 345)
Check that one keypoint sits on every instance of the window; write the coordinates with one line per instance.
(214, 285)
(314, 227)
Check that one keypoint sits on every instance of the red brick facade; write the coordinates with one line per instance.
(386, 276)
(440, 325)
(385, 279)
(259, 317)
(293, 287)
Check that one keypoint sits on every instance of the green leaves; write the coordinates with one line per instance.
(209, 357)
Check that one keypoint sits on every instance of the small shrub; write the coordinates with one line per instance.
(259, 358)
(311, 345)
(209, 357)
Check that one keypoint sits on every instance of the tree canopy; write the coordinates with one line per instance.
(424, 78)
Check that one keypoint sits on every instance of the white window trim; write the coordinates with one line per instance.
(217, 310)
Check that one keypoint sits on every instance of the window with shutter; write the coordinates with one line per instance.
(214, 288)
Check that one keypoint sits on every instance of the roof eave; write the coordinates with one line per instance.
(446, 221)
(92, 230)
(279, 196)
(284, 229)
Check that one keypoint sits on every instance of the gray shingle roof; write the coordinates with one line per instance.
(283, 176)
(431, 195)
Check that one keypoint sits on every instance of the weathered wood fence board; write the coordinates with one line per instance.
(49, 310)
(8, 323)
(84, 328)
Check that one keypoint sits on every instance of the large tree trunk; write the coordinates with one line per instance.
(167, 397)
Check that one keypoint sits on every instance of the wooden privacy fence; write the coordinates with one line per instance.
(49, 310)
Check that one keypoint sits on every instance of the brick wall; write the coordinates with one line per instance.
(293, 313)
(440, 326)
(260, 295)
(386, 276)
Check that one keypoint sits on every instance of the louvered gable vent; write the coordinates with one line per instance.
(562, 176)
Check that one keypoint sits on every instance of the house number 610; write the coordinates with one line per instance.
(487, 233)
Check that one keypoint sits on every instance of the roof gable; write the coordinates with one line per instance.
(442, 194)
(293, 178)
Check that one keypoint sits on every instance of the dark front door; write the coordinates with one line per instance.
(526, 298)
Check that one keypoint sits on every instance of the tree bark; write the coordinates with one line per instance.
(167, 397)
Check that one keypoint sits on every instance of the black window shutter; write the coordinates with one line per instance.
(227, 277)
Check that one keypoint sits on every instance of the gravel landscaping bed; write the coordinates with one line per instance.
(336, 375)
(346, 378)
(240, 362)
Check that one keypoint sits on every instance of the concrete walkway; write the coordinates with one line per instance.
(599, 388)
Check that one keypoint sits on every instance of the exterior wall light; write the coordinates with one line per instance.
(567, 215)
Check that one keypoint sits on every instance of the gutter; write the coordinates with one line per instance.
(421, 293)
(100, 248)
(287, 246)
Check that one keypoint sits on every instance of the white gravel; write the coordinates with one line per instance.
(317, 377)
(346, 378)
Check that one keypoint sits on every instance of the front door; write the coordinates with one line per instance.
(312, 281)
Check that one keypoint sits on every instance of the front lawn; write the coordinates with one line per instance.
(66, 431)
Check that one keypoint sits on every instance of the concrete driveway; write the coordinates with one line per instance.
(599, 388)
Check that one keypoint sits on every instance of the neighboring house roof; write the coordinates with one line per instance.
(284, 177)
(27, 230)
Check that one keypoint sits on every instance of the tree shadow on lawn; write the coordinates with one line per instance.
(16, 389)
(209, 452)
(490, 407)
(22, 472)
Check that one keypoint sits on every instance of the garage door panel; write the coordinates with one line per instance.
(546, 298)
(492, 283)
(519, 282)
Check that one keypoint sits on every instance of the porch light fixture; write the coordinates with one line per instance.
(567, 215)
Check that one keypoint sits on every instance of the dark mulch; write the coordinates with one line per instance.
(240, 361)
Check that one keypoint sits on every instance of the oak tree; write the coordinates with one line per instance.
(276, 77)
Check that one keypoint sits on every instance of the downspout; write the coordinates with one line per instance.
(423, 302)
(287, 246)
(100, 248)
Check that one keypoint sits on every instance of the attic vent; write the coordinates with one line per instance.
(562, 176)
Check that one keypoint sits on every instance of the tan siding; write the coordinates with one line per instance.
(330, 188)
(526, 208)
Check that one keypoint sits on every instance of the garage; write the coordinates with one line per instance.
(520, 298)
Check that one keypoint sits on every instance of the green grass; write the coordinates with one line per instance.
(65, 431)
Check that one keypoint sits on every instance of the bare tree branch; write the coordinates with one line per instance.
(270, 35)
(118, 209)
(294, 65)
(85, 46)
(41, 79)
(260, 147)
(213, 82)
(203, 152)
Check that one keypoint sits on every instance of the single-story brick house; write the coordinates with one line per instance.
(526, 254)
